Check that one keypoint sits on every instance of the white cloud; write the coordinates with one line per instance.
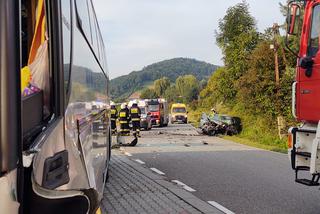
(141, 32)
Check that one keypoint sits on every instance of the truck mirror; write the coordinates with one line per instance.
(293, 18)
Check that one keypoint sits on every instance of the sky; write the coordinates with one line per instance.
(138, 33)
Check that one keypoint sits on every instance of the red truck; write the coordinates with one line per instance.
(303, 142)
(159, 112)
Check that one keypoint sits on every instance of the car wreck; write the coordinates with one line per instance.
(218, 124)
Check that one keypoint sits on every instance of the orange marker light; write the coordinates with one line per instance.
(290, 139)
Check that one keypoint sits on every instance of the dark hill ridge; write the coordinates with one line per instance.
(122, 87)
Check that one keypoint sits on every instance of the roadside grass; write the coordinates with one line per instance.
(194, 117)
(248, 142)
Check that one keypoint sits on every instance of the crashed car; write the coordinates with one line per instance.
(217, 124)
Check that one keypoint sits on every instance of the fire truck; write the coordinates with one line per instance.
(303, 143)
(159, 112)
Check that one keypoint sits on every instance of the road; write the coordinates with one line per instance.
(240, 178)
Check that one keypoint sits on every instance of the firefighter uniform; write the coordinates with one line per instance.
(124, 119)
(135, 114)
(114, 116)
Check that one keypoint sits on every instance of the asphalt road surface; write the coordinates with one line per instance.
(240, 178)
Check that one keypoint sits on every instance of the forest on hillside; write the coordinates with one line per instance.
(122, 87)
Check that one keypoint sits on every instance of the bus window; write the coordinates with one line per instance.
(35, 73)
(83, 18)
(66, 37)
(94, 32)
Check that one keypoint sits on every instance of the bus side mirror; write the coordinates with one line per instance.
(293, 18)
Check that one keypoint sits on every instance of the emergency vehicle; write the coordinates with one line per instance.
(304, 21)
(145, 115)
(179, 113)
(159, 112)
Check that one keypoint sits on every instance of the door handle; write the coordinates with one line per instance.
(306, 91)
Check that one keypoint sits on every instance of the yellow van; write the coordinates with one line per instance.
(179, 113)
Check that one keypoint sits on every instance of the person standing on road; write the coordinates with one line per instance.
(114, 117)
(135, 114)
(124, 119)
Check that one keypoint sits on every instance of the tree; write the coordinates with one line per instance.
(171, 94)
(161, 85)
(148, 93)
(237, 37)
(237, 21)
(187, 87)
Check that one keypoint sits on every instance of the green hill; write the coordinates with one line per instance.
(122, 87)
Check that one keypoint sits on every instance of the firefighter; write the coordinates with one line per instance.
(114, 117)
(124, 119)
(135, 114)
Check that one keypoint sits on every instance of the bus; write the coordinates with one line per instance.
(53, 71)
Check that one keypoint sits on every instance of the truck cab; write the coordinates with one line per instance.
(159, 112)
(303, 143)
(179, 113)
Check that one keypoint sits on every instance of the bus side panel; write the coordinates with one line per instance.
(86, 114)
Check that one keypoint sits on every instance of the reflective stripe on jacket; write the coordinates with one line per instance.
(114, 114)
(124, 116)
(135, 113)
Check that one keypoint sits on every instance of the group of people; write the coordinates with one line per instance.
(125, 115)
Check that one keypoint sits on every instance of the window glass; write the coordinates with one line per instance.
(93, 28)
(153, 108)
(315, 32)
(101, 49)
(66, 37)
(179, 110)
(83, 18)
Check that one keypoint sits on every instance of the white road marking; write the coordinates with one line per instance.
(128, 154)
(184, 186)
(140, 161)
(220, 207)
(157, 171)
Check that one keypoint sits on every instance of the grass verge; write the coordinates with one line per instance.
(248, 142)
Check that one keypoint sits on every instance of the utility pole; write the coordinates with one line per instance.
(280, 120)
(276, 33)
